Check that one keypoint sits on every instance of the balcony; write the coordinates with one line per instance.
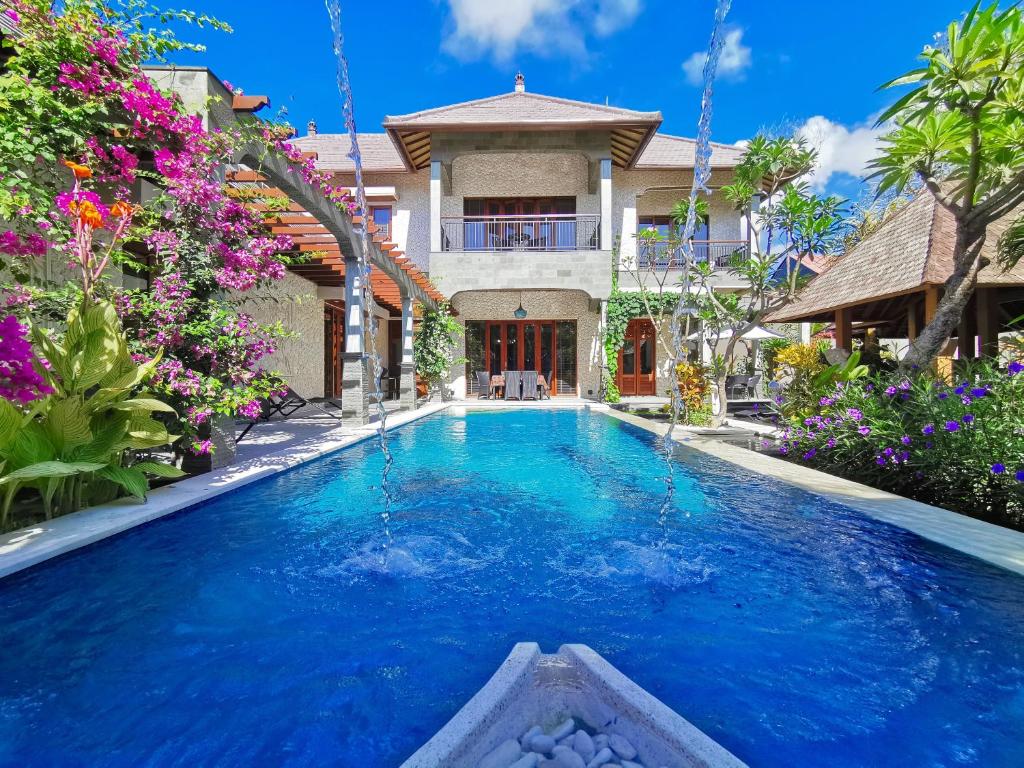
(662, 256)
(545, 232)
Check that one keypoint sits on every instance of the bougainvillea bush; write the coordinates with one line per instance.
(75, 90)
(958, 445)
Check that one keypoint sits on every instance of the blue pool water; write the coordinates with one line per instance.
(260, 629)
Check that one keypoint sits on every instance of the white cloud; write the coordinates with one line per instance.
(501, 28)
(732, 64)
(840, 149)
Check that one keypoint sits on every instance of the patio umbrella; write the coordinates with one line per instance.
(754, 334)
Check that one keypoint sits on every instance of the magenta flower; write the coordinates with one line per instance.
(968, 418)
(1015, 367)
(906, 440)
(998, 469)
(864, 431)
(1019, 476)
(952, 426)
(854, 414)
(928, 429)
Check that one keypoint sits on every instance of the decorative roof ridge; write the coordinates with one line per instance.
(614, 111)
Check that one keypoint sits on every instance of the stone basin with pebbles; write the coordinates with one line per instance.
(571, 709)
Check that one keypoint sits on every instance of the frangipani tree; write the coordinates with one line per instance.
(789, 223)
(960, 132)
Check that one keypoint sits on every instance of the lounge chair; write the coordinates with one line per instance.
(529, 379)
(287, 404)
(483, 380)
(513, 382)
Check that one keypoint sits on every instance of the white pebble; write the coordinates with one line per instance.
(563, 730)
(527, 761)
(621, 747)
(566, 758)
(600, 758)
(630, 764)
(583, 745)
(503, 755)
(541, 743)
(525, 738)
(600, 741)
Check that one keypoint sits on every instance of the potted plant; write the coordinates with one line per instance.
(434, 349)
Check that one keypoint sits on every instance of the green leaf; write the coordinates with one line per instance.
(129, 478)
(67, 424)
(142, 404)
(10, 422)
(47, 469)
(158, 469)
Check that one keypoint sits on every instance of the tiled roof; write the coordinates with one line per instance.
(378, 151)
(520, 108)
(664, 151)
(630, 130)
(913, 248)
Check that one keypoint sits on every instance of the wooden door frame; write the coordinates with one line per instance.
(520, 352)
(633, 335)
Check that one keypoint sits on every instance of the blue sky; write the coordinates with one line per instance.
(799, 64)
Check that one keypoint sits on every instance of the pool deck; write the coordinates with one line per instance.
(276, 446)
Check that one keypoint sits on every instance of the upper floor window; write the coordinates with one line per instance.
(663, 224)
(381, 215)
(518, 206)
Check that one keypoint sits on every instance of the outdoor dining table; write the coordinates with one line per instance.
(498, 382)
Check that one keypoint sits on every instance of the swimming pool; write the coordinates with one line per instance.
(260, 629)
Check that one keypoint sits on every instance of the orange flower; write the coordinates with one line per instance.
(121, 209)
(80, 171)
(88, 214)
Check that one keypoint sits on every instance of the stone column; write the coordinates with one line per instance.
(435, 206)
(407, 381)
(355, 379)
(606, 204)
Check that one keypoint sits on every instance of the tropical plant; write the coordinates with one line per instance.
(959, 446)
(959, 132)
(76, 445)
(692, 381)
(790, 223)
(434, 346)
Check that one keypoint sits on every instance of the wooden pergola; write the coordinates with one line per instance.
(330, 239)
(324, 256)
(891, 282)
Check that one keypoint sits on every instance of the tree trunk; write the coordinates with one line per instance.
(720, 395)
(958, 290)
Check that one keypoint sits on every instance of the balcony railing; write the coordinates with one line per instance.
(669, 256)
(552, 232)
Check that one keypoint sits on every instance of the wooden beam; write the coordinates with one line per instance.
(986, 304)
(844, 329)
(944, 362)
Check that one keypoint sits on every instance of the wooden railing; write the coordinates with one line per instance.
(551, 232)
(665, 256)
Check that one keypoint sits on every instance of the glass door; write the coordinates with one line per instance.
(545, 346)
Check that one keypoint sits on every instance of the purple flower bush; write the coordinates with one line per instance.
(958, 445)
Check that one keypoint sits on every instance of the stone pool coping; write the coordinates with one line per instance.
(994, 544)
(37, 543)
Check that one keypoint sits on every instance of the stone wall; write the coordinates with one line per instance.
(520, 174)
(540, 305)
(294, 302)
(586, 271)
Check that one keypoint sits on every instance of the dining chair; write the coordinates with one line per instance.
(529, 379)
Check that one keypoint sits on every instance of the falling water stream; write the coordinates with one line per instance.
(375, 367)
(684, 308)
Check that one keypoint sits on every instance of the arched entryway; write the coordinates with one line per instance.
(636, 373)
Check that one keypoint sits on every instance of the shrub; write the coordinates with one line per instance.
(960, 446)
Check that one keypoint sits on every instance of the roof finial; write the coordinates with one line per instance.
(311, 128)
(520, 82)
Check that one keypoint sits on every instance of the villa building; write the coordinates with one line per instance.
(521, 207)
